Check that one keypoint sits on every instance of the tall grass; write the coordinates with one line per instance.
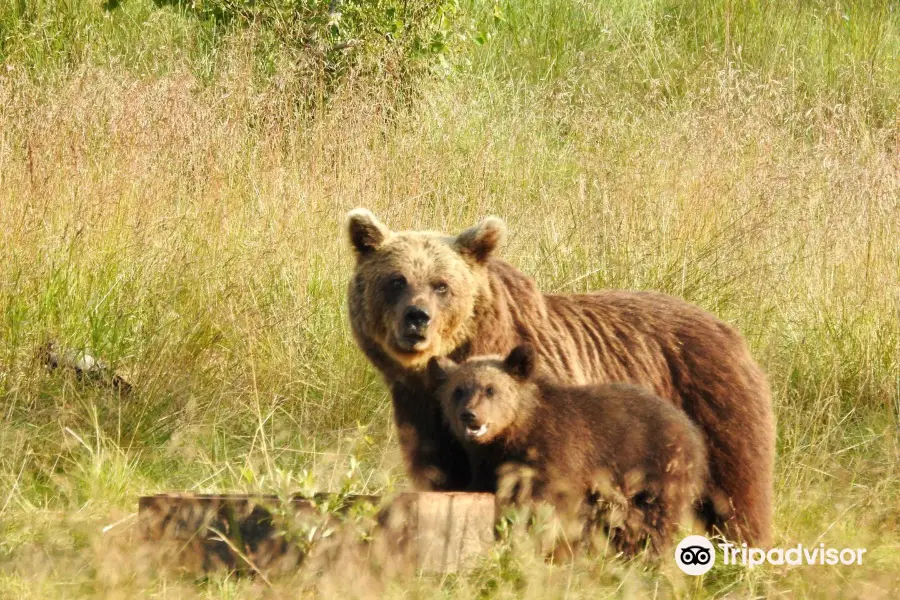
(167, 202)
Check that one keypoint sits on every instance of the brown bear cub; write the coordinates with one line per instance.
(615, 444)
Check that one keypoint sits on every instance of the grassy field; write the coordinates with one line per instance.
(172, 189)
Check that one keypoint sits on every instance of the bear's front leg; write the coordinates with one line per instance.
(484, 478)
(435, 460)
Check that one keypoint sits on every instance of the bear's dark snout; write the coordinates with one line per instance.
(415, 319)
(467, 417)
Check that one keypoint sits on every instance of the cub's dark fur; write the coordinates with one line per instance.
(573, 442)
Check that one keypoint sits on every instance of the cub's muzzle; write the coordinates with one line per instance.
(472, 425)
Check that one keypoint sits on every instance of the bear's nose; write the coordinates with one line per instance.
(416, 317)
(467, 417)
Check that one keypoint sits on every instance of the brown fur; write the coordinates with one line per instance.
(675, 349)
(577, 442)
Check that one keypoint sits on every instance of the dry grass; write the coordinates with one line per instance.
(188, 230)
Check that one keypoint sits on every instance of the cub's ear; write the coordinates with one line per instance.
(365, 231)
(480, 241)
(520, 362)
(439, 368)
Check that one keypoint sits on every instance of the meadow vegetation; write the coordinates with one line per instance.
(173, 180)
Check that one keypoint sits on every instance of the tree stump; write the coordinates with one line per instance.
(434, 532)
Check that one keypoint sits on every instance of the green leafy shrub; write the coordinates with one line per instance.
(308, 47)
(323, 42)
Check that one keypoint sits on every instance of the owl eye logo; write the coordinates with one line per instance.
(695, 555)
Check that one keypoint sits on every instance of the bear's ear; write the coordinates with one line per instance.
(480, 241)
(520, 362)
(366, 232)
(439, 368)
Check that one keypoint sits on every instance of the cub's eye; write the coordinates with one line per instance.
(457, 394)
(489, 391)
(440, 288)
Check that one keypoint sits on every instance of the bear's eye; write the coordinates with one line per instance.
(441, 288)
(396, 283)
(457, 394)
(489, 391)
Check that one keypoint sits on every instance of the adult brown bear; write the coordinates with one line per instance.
(414, 295)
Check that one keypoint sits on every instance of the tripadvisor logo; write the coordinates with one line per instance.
(695, 555)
